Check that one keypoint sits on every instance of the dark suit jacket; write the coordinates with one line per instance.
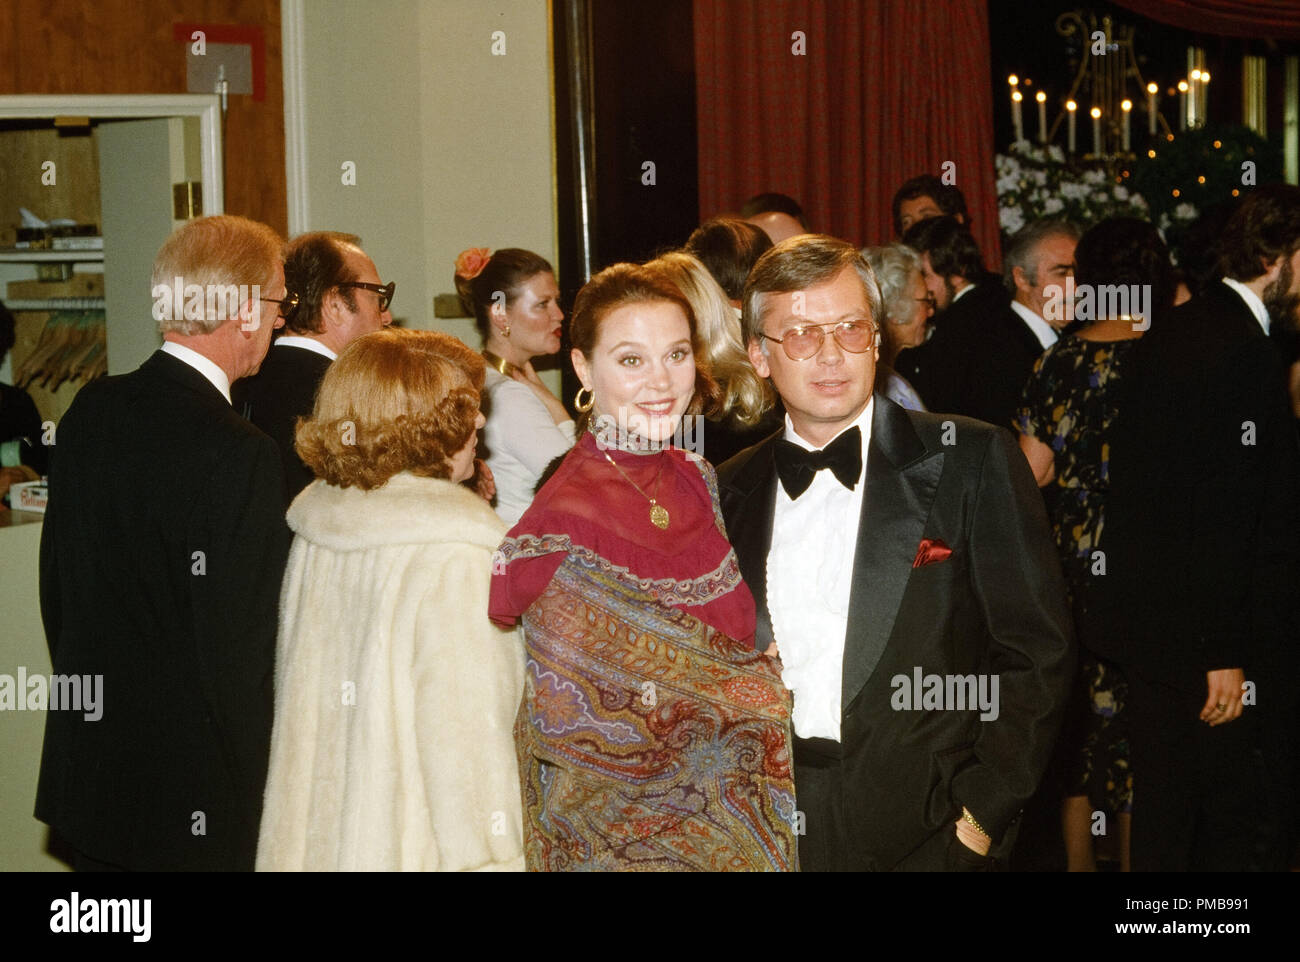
(149, 469)
(1202, 534)
(997, 605)
(938, 368)
(20, 419)
(275, 397)
(994, 358)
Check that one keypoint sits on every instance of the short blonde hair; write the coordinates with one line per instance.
(216, 253)
(394, 401)
(744, 395)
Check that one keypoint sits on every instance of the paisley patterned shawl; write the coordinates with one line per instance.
(648, 740)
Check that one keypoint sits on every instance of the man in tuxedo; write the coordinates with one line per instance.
(338, 299)
(926, 196)
(161, 558)
(1198, 602)
(968, 303)
(926, 641)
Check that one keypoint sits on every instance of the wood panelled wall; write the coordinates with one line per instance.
(126, 47)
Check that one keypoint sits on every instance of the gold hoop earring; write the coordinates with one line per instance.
(577, 401)
(505, 331)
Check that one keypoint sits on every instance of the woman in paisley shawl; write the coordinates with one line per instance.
(652, 736)
(1065, 423)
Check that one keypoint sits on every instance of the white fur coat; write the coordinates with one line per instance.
(394, 695)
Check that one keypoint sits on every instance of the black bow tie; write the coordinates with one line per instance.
(796, 466)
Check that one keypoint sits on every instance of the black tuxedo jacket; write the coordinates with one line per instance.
(939, 368)
(1202, 533)
(996, 605)
(150, 469)
(283, 390)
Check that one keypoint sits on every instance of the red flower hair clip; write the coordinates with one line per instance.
(470, 263)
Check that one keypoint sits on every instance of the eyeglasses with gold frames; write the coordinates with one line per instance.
(806, 340)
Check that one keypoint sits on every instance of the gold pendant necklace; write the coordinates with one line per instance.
(658, 513)
(500, 363)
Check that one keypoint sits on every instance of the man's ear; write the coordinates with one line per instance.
(1021, 281)
(1271, 271)
(333, 309)
(758, 358)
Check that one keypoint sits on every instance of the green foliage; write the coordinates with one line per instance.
(1215, 153)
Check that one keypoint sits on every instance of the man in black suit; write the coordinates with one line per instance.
(970, 304)
(927, 641)
(335, 285)
(1198, 600)
(161, 558)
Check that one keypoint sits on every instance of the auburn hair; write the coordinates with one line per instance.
(622, 284)
(395, 400)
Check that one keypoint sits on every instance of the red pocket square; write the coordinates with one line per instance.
(931, 551)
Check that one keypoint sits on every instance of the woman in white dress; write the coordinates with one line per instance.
(513, 298)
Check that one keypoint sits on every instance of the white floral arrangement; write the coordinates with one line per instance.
(1036, 181)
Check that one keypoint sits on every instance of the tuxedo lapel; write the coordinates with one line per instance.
(901, 483)
(749, 501)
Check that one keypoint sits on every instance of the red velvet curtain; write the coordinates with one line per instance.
(882, 91)
(1278, 19)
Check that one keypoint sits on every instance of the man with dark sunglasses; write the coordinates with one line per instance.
(335, 296)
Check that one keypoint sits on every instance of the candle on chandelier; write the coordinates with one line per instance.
(1182, 105)
(1070, 108)
(1151, 108)
(1127, 107)
(1042, 116)
(1017, 120)
(1096, 131)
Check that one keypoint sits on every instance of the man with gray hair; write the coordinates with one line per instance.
(161, 557)
(926, 642)
(1035, 269)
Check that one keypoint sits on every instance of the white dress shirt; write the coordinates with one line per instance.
(522, 439)
(809, 579)
(203, 365)
(1252, 301)
(1045, 333)
(306, 343)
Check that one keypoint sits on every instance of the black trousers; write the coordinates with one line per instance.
(1204, 799)
(822, 846)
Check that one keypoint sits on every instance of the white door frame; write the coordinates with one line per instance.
(137, 107)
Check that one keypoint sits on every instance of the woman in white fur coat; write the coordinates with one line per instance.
(394, 694)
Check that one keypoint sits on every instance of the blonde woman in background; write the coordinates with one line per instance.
(744, 394)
